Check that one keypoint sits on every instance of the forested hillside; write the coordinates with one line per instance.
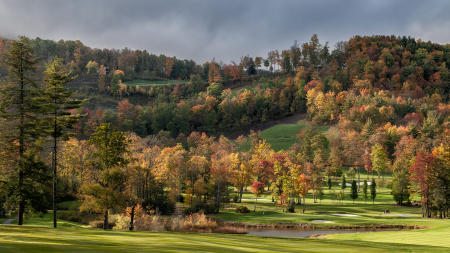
(384, 98)
(404, 70)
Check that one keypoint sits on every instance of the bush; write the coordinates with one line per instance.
(196, 222)
(70, 216)
(235, 198)
(201, 207)
(99, 224)
(242, 209)
(180, 198)
(146, 222)
(121, 222)
(291, 207)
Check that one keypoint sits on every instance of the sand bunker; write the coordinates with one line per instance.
(396, 214)
(322, 221)
(259, 200)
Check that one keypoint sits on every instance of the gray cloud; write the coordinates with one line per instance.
(226, 29)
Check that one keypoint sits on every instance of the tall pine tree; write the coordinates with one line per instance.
(56, 103)
(21, 130)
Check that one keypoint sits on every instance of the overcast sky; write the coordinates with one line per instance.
(222, 29)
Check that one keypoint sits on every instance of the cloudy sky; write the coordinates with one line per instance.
(222, 29)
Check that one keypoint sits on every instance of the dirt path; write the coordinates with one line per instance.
(262, 126)
(8, 221)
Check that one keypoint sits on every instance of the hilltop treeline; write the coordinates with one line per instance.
(403, 71)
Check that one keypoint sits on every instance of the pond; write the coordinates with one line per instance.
(300, 233)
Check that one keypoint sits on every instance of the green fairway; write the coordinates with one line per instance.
(153, 83)
(437, 234)
(37, 235)
(346, 213)
(44, 239)
(326, 209)
(282, 136)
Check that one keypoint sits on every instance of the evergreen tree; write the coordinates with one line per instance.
(365, 186)
(21, 130)
(56, 101)
(373, 190)
(343, 183)
(343, 186)
(354, 194)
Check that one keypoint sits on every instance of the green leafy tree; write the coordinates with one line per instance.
(56, 103)
(105, 189)
(400, 181)
(379, 159)
(92, 67)
(215, 89)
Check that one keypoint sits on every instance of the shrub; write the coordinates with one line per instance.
(196, 222)
(99, 224)
(180, 198)
(121, 222)
(146, 222)
(230, 230)
(201, 207)
(291, 207)
(70, 216)
(242, 209)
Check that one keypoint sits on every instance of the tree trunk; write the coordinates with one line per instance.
(240, 193)
(256, 201)
(359, 179)
(105, 221)
(304, 204)
(132, 218)
(21, 144)
(218, 198)
(21, 211)
(54, 164)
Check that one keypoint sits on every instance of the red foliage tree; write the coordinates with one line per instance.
(257, 189)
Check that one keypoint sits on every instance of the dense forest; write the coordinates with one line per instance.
(385, 98)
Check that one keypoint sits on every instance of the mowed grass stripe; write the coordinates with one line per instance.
(35, 239)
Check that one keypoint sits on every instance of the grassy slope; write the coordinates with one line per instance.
(151, 83)
(282, 136)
